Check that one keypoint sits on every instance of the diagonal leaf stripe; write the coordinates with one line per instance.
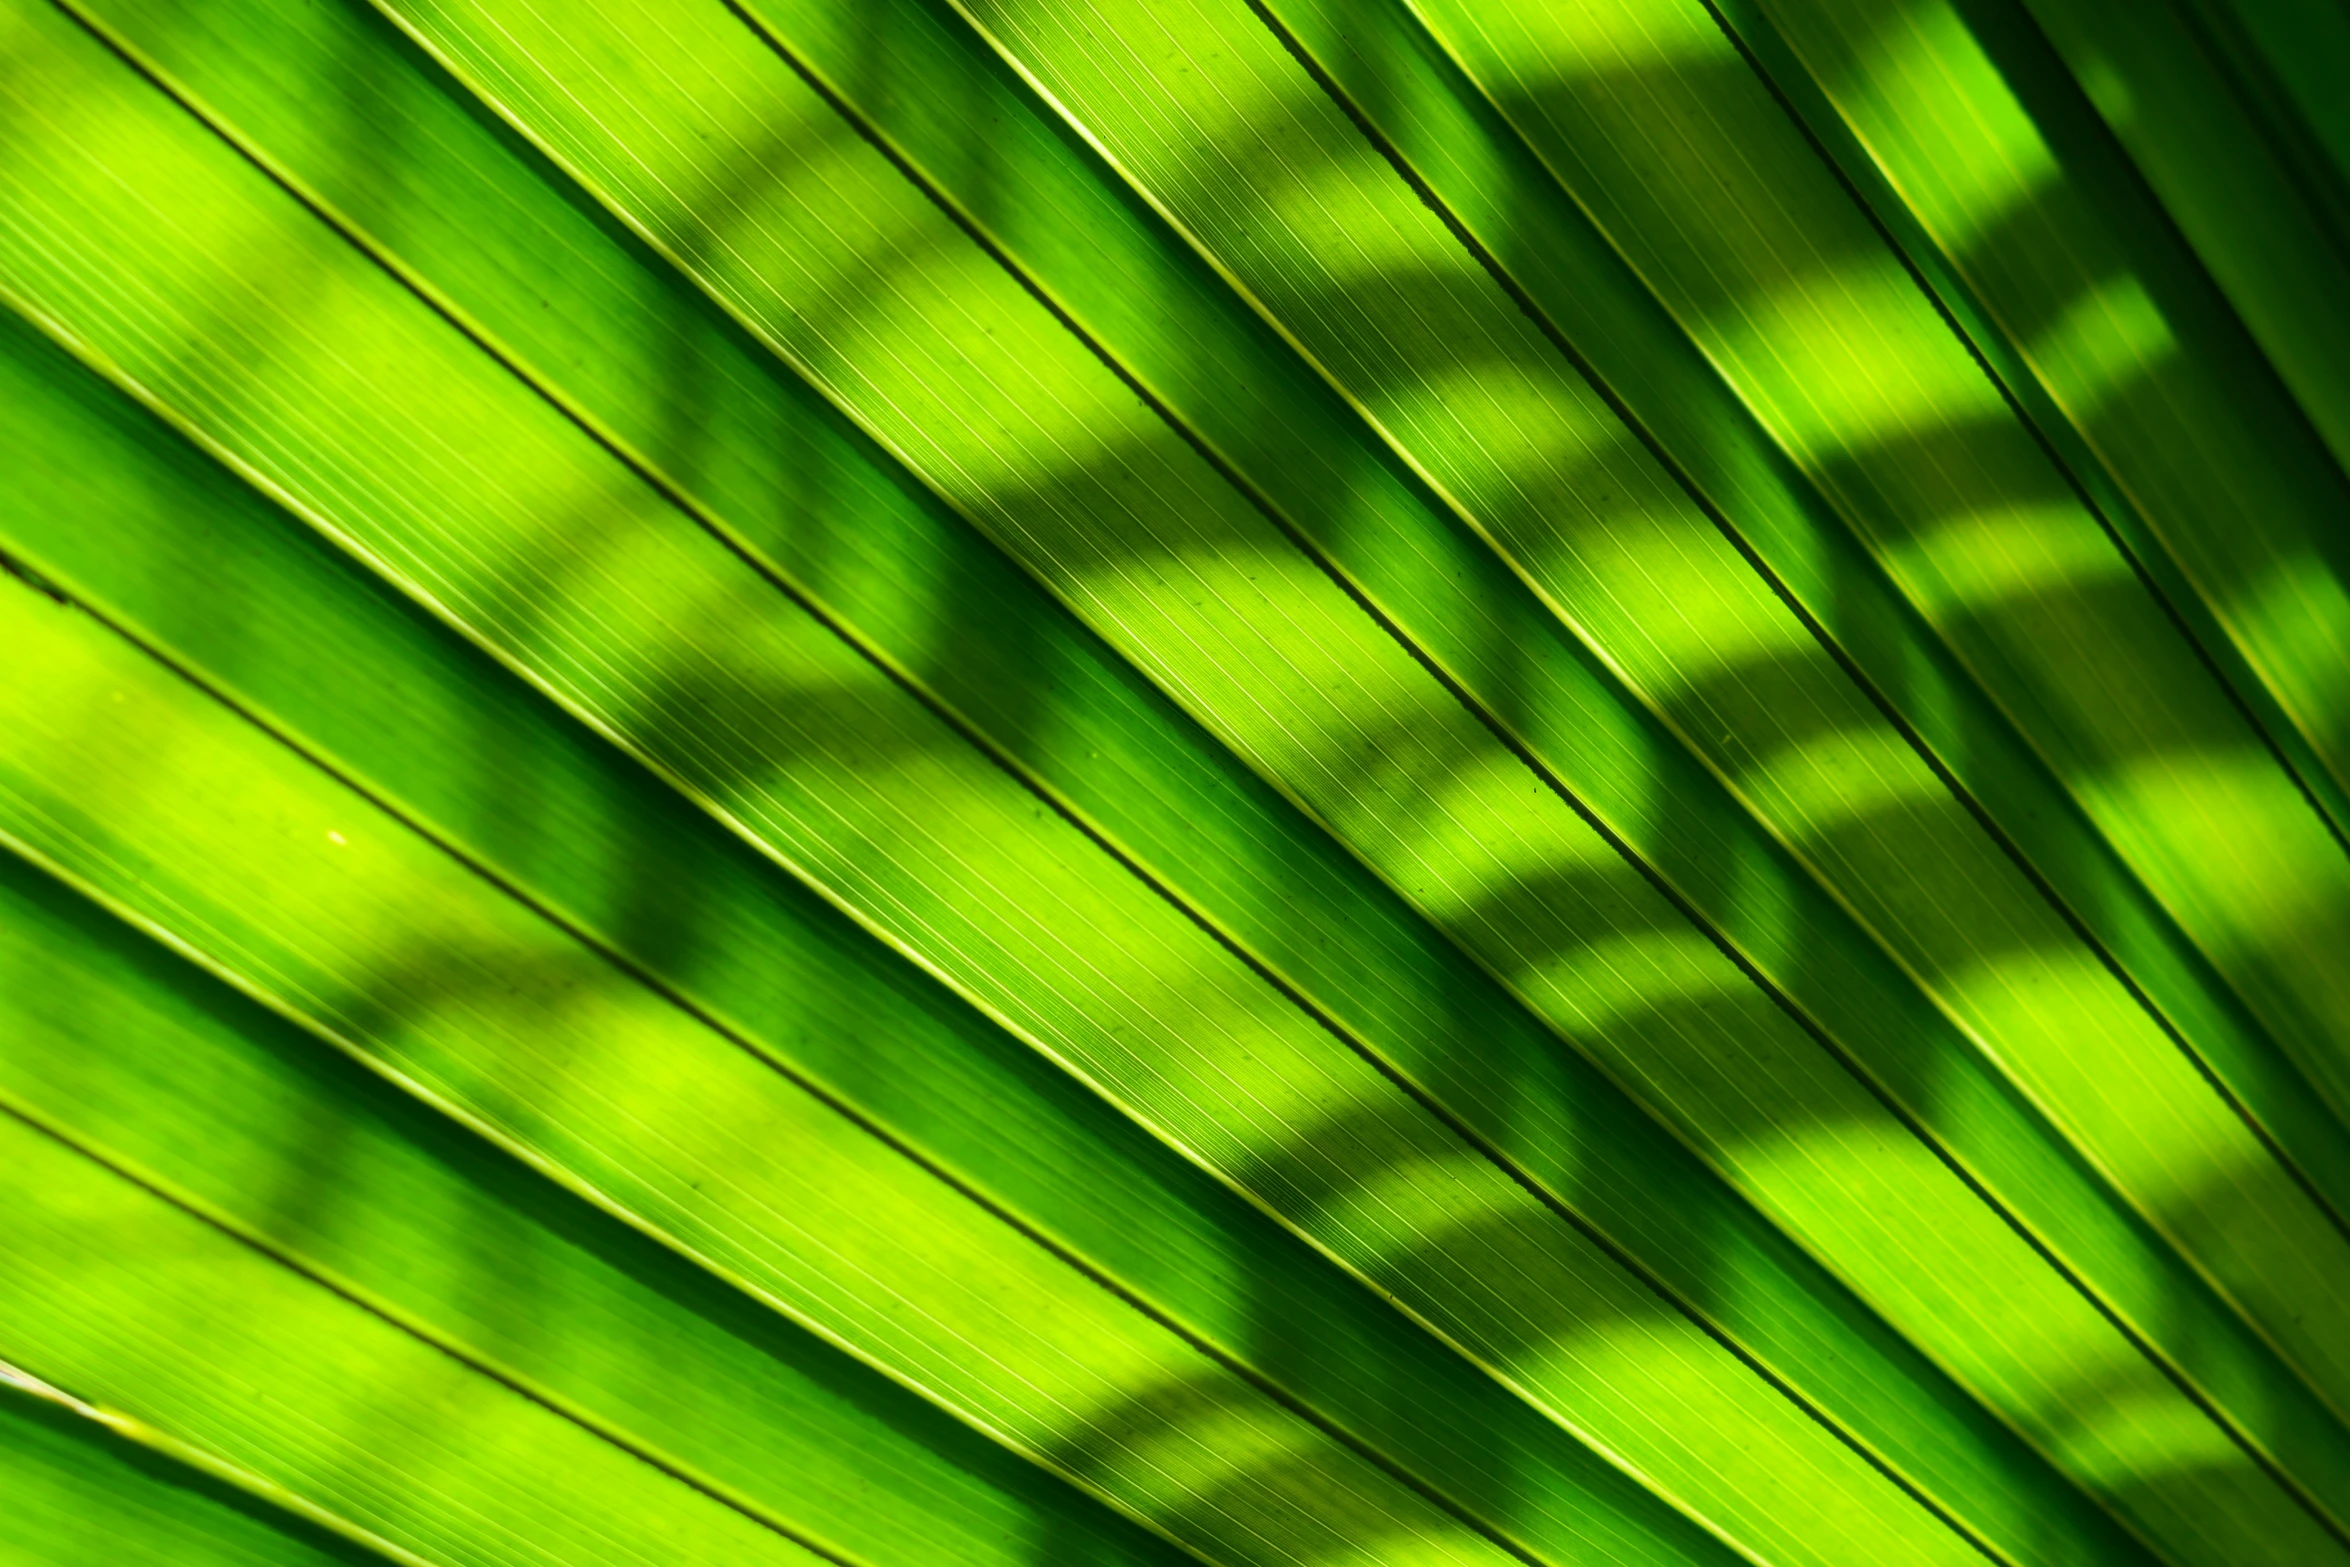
(456, 1455)
(2185, 437)
(2183, 1092)
(1158, 1229)
(2035, 576)
(942, 1316)
(1306, 782)
(1318, 1085)
(89, 1482)
(1769, 1326)
(403, 1210)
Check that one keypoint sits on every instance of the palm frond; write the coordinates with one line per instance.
(1051, 781)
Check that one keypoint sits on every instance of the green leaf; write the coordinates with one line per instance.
(2080, 1087)
(558, 814)
(131, 1301)
(1177, 1065)
(323, 1162)
(475, 1004)
(2097, 314)
(83, 1486)
(2163, 92)
(1299, 782)
(2185, 1097)
(1778, 1304)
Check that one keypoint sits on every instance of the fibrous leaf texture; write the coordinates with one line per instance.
(1280, 783)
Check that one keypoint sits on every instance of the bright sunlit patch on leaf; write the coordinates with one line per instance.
(2187, 806)
(1854, 356)
(1925, 71)
(2106, 341)
(1978, 561)
(1723, 980)
(2143, 1440)
(1573, 40)
(1833, 777)
(2301, 609)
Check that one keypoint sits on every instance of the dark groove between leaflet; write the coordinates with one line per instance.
(1271, 1390)
(2040, 437)
(293, 1264)
(2064, 908)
